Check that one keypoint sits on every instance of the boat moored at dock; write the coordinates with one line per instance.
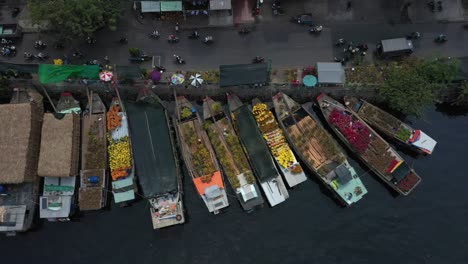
(318, 150)
(231, 155)
(391, 126)
(120, 154)
(279, 147)
(372, 149)
(257, 150)
(156, 160)
(92, 194)
(199, 157)
(19, 183)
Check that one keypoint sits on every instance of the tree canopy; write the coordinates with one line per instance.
(76, 18)
(411, 85)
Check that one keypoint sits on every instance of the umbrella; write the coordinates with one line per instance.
(155, 76)
(196, 80)
(309, 80)
(177, 78)
(106, 76)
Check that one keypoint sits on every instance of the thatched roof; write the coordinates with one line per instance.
(19, 142)
(59, 146)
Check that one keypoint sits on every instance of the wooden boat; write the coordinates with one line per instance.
(19, 188)
(257, 150)
(372, 149)
(318, 150)
(59, 159)
(92, 194)
(391, 126)
(279, 147)
(199, 157)
(120, 154)
(156, 160)
(231, 155)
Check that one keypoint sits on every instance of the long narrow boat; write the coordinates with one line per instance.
(19, 187)
(318, 150)
(391, 126)
(120, 154)
(257, 150)
(59, 159)
(156, 159)
(372, 149)
(279, 147)
(199, 156)
(231, 155)
(92, 194)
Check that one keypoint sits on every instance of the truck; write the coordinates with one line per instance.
(9, 31)
(396, 47)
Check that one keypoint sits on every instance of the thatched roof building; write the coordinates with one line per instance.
(59, 146)
(19, 142)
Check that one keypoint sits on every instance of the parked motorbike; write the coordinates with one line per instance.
(123, 40)
(41, 56)
(208, 40)
(179, 59)
(441, 38)
(277, 9)
(413, 35)
(316, 29)
(8, 51)
(173, 39)
(6, 41)
(28, 56)
(244, 31)
(154, 35)
(90, 40)
(340, 42)
(39, 44)
(194, 35)
(258, 59)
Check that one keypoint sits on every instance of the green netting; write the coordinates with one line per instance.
(49, 73)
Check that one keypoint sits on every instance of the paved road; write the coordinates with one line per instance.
(285, 43)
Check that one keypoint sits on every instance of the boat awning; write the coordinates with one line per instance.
(171, 6)
(150, 6)
(243, 74)
(12, 217)
(248, 192)
(55, 206)
(220, 4)
(330, 72)
(123, 190)
(423, 141)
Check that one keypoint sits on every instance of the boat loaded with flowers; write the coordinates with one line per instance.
(257, 151)
(120, 154)
(231, 155)
(279, 148)
(391, 126)
(318, 150)
(199, 156)
(372, 149)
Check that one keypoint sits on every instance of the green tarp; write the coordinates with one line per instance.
(168, 6)
(49, 73)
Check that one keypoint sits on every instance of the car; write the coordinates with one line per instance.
(303, 19)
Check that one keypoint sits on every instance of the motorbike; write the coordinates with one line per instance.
(39, 44)
(340, 42)
(90, 40)
(59, 45)
(28, 56)
(316, 30)
(440, 39)
(258, 59)
(6, 41)
(154, 35)
(413, 35)
(277, 9)
(244, 31)
(176, 28)
(9, 51)
(92, 62)
(173, 39)
(208, 40)
(41, 56)
(179, 59)
(194, 35)
(123, 40)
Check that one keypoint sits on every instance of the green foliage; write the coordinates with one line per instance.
(439, 70)
(134, 52)
(76, 18)
(405, 89)
(462, 98)
(216, 107)
(403, 134)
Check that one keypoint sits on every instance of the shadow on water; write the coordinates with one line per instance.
(451, 110)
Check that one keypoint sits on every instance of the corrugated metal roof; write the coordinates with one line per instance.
(220, 4)
(330, 72)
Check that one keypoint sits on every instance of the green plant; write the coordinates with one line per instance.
(134, 52)
(462, 98)
(216, 107)
(185, 113)
(404, 134)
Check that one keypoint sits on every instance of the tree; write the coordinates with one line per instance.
(462, 99)
(405, 89)
(439, 70)
(76, 18)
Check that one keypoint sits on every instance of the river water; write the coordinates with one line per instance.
(429, 226)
